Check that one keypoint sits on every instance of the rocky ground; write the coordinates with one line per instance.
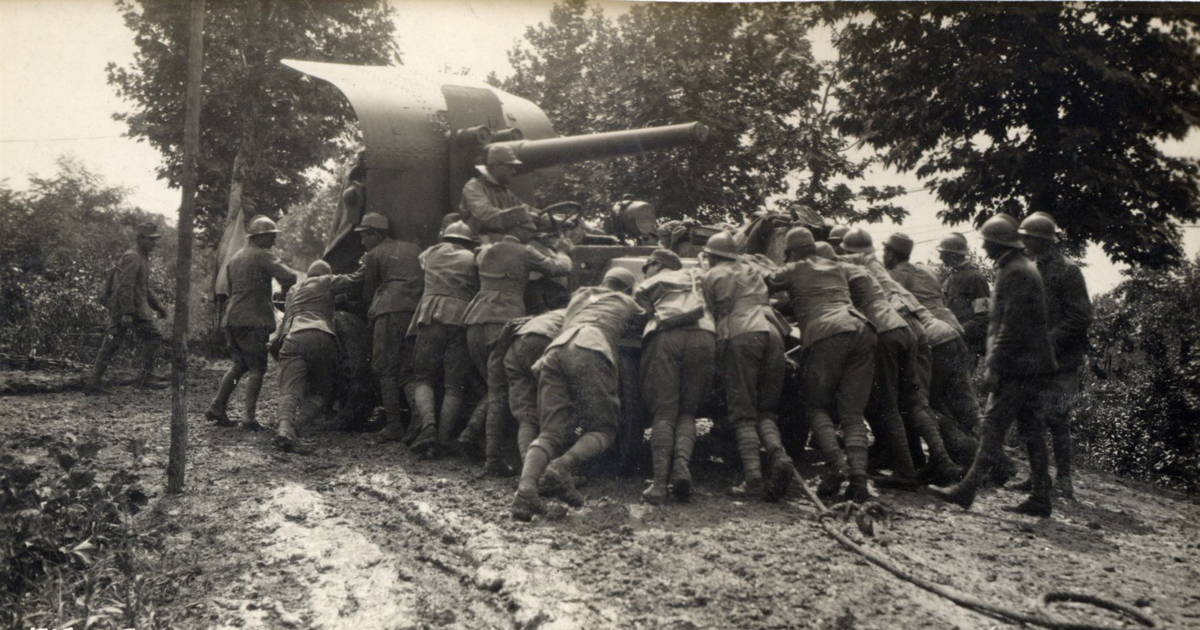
(356, 536)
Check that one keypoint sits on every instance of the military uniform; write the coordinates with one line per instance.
(483, 203)
(840, 348)
(529, 343)
(392, 283)
(451, 281)
(504, 270)
(678, 351)
(129, 295)
(750, 357)
(249, 321)
(966, 292)
(923, 284)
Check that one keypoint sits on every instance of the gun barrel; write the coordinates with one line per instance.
(537, 154)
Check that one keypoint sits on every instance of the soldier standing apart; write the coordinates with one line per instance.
(250, 318)
(577, 386)
(129, 303)
(451, 280)
(1020, 364)
(676, 370)
(966, 292)
(750, 356)
(504, 269)
(306, 347)
(528, 344)
(392, 283)
(1070, 315)
(840, 344)
(486, 200)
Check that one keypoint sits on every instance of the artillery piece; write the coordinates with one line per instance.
(423, 133)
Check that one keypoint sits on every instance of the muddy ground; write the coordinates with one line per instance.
(364, 537)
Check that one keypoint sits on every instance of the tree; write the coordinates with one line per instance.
(746, 71)
(1055, 107)
(264, 126)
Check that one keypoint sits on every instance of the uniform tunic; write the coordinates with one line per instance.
(309, 354)
(923, 284)
(249, 314)
(129, 294)
(392, 284)
(528, 345)
(966, 292)
(483, 202)
(451, 280)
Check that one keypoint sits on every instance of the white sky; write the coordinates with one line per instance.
(54, 99)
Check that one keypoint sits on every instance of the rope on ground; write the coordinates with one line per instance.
(971, 602)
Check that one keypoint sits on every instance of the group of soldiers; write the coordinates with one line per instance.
(468, 362)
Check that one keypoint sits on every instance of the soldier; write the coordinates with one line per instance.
(750, 355)
(504, 270)
(840, 346)
(392, 283)
(250, 318)
(676, 368)
(577, 386)
(916, 279)
(1020, 363)
(129, 301)
(451, 281)
(528, 344)
(966, 291)
(307, 351)
(1069, 310)
(836, 234)
(486, 197)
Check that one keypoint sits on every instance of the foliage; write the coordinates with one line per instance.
(58, 243)
(1055, 107)
(1140, 411)
(305, 228)
(263, 125)
(68, 545)
(746, 71)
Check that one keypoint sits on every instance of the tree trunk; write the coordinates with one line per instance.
(177, 462)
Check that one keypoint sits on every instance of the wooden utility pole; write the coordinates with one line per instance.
(177, 462)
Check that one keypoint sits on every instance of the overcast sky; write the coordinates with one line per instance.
(54, 99)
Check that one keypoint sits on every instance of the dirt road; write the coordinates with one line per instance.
(365, 537)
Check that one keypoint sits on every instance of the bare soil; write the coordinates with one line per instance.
(355, 536)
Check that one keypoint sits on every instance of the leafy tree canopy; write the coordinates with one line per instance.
(263, 125)
(1054, 107)
(746, 71)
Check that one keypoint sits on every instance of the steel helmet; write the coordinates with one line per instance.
(460, 231)
(721, 245)
(955, 244)
(799, 238)
(825, 250)
(1039, 225)
(901, 243)
(261, 225)
(1002, 230)
(318, 268)
(622, 275)
(857, 240)
(373, 221)
(838, 233)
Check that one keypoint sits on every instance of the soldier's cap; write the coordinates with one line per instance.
(319, 268)
(825, 250)
(502, 154)
(901, 243)
(666, 258)
(373, 221)
(622, 275)
(148, 230)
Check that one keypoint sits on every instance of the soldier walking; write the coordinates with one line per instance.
(966, 292)
(1069, 310)
(250, 318)
(392, 283)
(676, 369)
(1020, 364)
(129, 302)
(577, 387)
(750, 356)
(451, 281)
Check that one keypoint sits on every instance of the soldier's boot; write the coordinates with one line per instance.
(471, 440)
(963, 493)
(856, 458)
(254, 381)
(825, 438)
(285, 436)
(1002, 472)
(941, 469)
(1060, 439)
(961, 446)
(217, 408)
(896, 444)
(423, 410)
(662, 442)
(393, 431)
(1038, 503)
(449, 424)
(748, 448)
(500, 440)
(146, 378)
(108, 348)
(1033, 506)
(1065, 487)
(782, 469)
(527, 503)
(685, 443)
(413, 426)
(560, 474)
(915, 452)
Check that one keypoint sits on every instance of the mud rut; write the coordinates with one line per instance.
(359, 536)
